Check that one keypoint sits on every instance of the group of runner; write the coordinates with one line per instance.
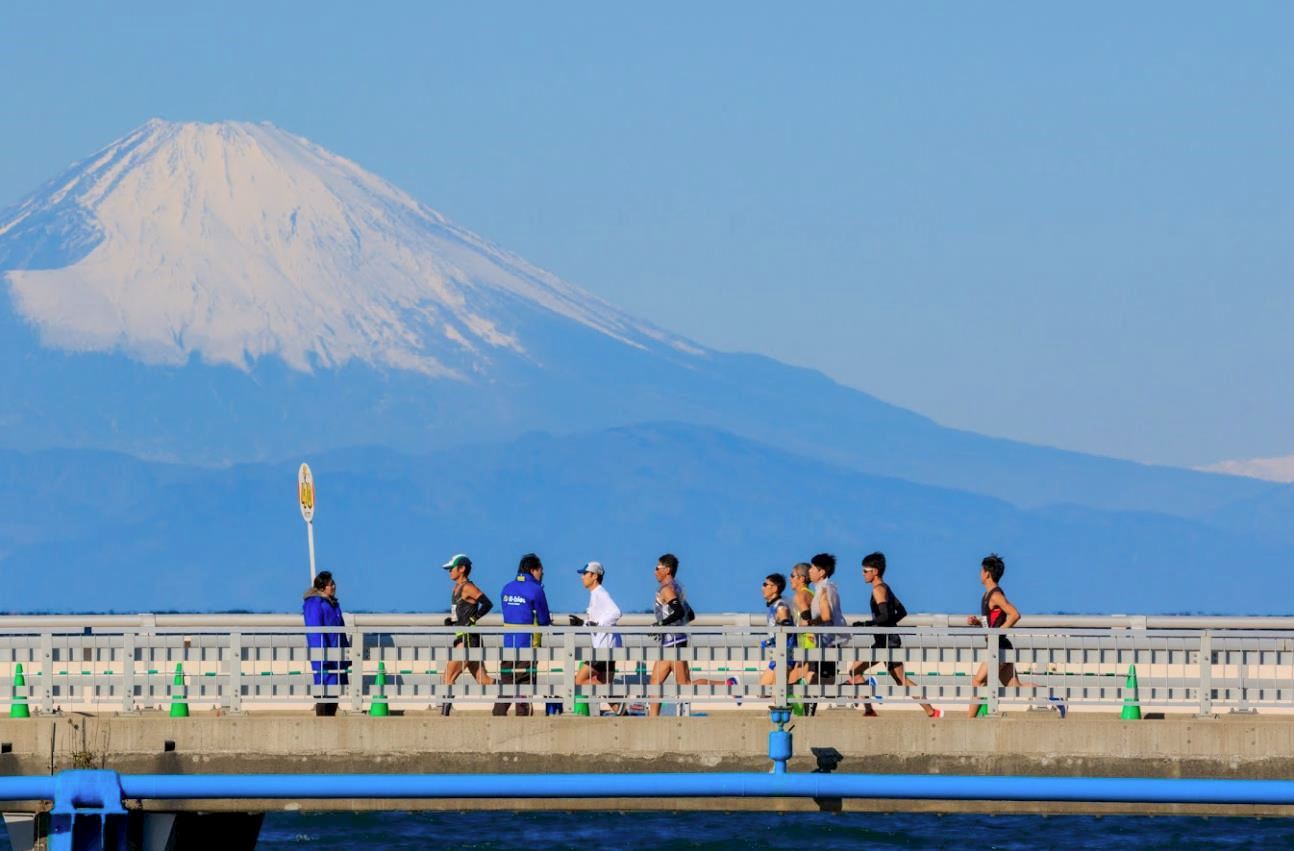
(814, 601)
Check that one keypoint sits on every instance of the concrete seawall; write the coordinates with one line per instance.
(1254, 747)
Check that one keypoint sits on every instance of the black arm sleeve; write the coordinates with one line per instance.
(576, 620)
(806, 616)
(868, 622)
(883, 613)
(483, 606)
(676, 612)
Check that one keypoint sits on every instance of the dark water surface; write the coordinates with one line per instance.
(800, 831)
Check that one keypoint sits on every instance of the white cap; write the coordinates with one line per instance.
(594, 567)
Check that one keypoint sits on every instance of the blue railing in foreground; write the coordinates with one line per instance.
(738, 785)
(668, 785)
(88, 810)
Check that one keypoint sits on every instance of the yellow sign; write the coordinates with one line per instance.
(306, 492)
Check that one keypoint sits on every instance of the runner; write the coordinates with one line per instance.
(671, 609)
(467, 605)
(602, 611)
(998, 613)
(779, 614)
(887, 610)
(825, 611)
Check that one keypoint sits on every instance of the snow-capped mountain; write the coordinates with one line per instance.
(1280, 469)
(221, 293)
(234, 242)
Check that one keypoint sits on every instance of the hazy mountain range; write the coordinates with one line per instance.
(207, 305)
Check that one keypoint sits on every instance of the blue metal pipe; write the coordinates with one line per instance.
(898, 786)
(27, 788)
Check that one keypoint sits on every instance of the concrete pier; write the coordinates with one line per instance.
(1025, 743)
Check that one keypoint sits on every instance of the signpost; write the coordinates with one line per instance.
(306, 496)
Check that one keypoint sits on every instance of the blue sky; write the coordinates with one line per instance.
(1070, 226)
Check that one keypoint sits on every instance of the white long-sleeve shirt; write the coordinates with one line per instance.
(603, 611)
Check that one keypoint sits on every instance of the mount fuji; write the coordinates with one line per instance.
(209, 295)
(226, 292)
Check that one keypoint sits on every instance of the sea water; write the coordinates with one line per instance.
(797, 831)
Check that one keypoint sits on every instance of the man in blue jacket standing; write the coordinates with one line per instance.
(522, 603)
(327, 649)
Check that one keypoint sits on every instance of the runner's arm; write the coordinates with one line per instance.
(1012, 613)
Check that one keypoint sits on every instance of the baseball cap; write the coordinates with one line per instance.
(593, 567)
(459, 560)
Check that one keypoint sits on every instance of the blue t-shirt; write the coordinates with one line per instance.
(523, 602)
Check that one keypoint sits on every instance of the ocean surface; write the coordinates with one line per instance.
(799, 831)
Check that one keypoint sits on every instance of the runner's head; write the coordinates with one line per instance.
(774, 585)
(800, 574)
(993, 566)
(461, 563)
(873, 562)
(824, 562)
(591, 574)
(668, 563)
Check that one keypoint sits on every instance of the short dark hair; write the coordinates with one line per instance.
(825, 561)
(995, 566)
(323, 580)
(876, 560)
(670, 561)
(529, 563)
(777, 579)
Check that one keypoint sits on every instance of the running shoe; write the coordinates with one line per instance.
(1058, 703)
(733, 681)
(938, 713)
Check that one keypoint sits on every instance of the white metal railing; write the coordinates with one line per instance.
(261, 662)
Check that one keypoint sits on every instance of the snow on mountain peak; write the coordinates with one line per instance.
(1280, 469)
(237, 241)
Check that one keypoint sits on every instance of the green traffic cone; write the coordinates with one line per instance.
(982, 712)
(378, 707)
(179, 695)
(1131, 699)
(18, 709)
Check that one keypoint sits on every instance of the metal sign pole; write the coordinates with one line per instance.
(310, 536)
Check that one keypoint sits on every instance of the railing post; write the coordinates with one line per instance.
(994, 680)
(568, 675)
(780, 656)
(1206, 674)
(47, 673)
(127, 672)
(355, 655)
(234, 680)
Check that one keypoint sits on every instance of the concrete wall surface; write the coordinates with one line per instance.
(1027, 743)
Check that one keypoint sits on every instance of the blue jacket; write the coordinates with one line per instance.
(321, 610)
(523, 602)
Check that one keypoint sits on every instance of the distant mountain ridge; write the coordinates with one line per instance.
(94, 531)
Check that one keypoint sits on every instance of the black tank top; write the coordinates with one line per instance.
(897, 612)
(995, 616)
(462, 609)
